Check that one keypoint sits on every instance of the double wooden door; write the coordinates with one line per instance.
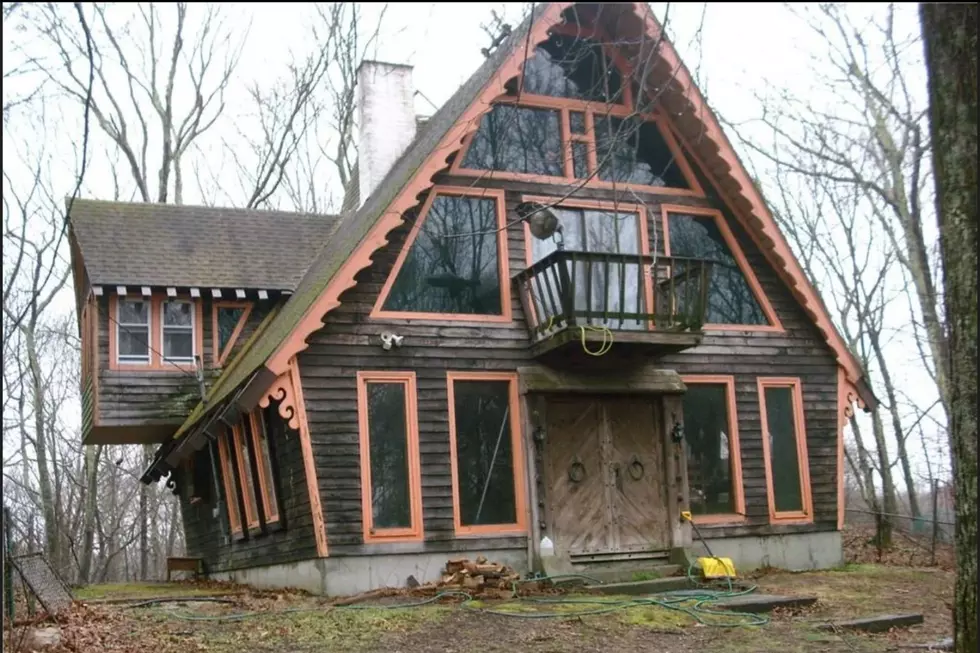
(604, 475)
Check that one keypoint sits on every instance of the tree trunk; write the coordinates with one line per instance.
(950, 35)
(92, 456)
(52, 546)
(143, 525)
(889, 503)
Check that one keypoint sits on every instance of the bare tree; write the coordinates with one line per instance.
(950, 35)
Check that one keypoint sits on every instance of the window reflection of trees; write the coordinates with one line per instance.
(227, 321)
(600, 232)
(517, 139)
(635, 152)
(706, 431)
(388, 445)
(730, 298)
(486, 482)
(565, 66)
(443, 273)
(784, 456)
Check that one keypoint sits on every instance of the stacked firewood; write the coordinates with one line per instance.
(478, 577)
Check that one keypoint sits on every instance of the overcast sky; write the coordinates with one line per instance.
(741, 46)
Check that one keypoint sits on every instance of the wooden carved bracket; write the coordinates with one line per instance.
(847, 397)
(283, 391)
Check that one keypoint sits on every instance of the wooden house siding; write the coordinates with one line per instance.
(350, 342)
(208, 535)
(135, 397)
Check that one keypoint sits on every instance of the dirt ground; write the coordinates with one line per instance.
(288, 622)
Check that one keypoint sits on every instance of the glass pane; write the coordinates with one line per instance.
(484, 453)
(576, 122)
(580, 160)
(453, 266)
(785, 463)
(635, 152)
(708, 449)
(134, 312)
(227, 321)
(272, 504)
(177, 314)
(231, 498)
(388, 444)
(178, 344)
(133, 343)
(565, 66)
(730, 298)
(245, 469)
(516, 139)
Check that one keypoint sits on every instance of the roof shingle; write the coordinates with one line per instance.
(135, 243)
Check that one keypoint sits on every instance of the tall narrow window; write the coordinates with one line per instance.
(260, 444)
(454, 261)
(732, 287)
(228, 478)
(133, 331)
(245, 473)
(178, 332)
(486, 454)
(714, 472)
(785, 450)
(391, 484)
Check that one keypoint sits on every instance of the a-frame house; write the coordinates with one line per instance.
(556, 310)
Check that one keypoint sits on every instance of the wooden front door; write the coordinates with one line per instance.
(604, 469)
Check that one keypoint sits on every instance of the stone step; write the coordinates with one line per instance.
(632, 574)
(877, 624)
(633, 588)
(757, 603)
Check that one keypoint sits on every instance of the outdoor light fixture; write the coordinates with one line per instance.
(677, 431)
(389, 339)
(542, 221)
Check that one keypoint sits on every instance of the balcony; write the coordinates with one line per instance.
(592, 301)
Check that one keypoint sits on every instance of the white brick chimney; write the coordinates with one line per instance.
(386, 120)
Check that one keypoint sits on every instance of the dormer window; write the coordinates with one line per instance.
(178, 332)
(133, 331)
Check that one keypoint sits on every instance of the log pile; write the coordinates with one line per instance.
(480, 577)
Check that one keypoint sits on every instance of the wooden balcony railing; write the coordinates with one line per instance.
(622, 292)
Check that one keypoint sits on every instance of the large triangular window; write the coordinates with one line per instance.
(570, 118)
(453, 264)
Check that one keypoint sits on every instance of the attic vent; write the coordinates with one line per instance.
(420, 121)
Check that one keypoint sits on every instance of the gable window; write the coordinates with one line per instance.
(391, 477)
(714, 471)
(228, 323)
(734, 295)
(453, 264)
(600, 228)
(178, 331)
(570, 117)
(486, 454)
(133, 331)
(785, 450)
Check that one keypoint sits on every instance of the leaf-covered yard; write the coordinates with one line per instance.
(287, 621)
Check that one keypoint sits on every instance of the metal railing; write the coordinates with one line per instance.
(618, 291)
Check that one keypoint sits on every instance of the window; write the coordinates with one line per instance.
(229, 320)
(571, 117)
(230, 485)
(133, 331)
(486, 453)
(178, 332)
(260, 445)
(454, 261)
(600, 288)
(196, 476)
(714, 470)
(734, 294)
(391, 483)
(785, 450)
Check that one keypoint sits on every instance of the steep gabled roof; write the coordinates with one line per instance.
(195, 246)
(362, 232)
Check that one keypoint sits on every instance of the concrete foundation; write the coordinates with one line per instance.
(793, 552)
(347, 575)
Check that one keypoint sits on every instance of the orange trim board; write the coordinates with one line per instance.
(288, 390)
(774, 324)
(155, 326)
(413, 532)
(799, 427)
(219, 358)
(378, 311)
(734, 448)
(517, 448)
